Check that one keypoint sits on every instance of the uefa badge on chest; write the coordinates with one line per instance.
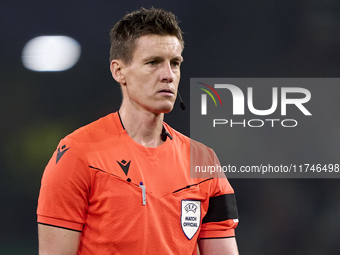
(190, 217)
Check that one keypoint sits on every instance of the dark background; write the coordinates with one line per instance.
(282, 38)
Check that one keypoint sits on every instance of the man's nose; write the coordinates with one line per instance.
(167, 75)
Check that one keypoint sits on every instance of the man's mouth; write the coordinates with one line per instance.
(166, 91)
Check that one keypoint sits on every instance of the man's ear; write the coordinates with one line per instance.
(116, 68)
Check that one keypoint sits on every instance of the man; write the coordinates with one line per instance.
(121, 185)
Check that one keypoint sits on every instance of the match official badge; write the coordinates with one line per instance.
(190, 217)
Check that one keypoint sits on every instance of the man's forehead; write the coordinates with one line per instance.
(159, 43)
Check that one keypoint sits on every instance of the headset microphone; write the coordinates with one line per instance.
(182, 104)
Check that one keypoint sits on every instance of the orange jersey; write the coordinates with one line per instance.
(128, 199)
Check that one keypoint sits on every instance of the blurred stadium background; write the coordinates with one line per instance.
(283, 38)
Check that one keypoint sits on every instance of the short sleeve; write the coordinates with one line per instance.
(222, 215)
(65, 187)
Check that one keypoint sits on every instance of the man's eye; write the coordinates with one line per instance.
(153, 63)
(176, 64)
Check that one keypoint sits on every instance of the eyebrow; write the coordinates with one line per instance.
(178, 58)
(155, 57)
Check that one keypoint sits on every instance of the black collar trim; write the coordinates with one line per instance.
(164, 133)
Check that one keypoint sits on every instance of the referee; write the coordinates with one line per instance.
(122, 185)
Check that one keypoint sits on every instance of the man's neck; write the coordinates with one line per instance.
(143, 126)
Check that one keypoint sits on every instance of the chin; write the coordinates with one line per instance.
(165, 109)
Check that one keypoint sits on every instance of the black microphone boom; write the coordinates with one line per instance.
(182, 104)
